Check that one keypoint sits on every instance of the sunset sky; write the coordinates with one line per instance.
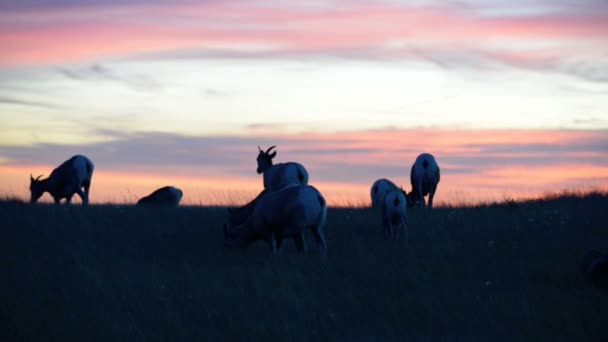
(510, 96)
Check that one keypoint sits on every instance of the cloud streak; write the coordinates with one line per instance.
(446, 35)
(15, 101)
(98, 72)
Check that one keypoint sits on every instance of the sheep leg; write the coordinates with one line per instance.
(404, 224)
(279, 241)
(396, 231)
(317, 233)
(431, 195)
(387, 230)
(420, 195)
(83, 196)
(300, 243)
(68, 199)
(87, 186)
(273, 244)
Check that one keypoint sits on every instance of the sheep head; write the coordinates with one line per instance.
(264, 159)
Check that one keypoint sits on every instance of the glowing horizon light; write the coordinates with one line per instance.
(476, 166)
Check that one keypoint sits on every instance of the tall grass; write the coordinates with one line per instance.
(507, 271)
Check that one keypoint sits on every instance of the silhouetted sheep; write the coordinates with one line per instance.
(424, 177)
(66, 180)
(276, 215)
(280, 175)
(167, 195)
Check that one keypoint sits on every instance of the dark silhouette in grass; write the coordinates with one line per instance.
(424, 177)
(595, 267)
(168, 195)
(67, 179)
(482, 273)
(274, 216)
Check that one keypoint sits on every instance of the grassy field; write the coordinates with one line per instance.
(502, 272)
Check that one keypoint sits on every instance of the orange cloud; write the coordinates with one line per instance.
(476, 166)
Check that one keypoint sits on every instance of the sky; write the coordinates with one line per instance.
(509, 96)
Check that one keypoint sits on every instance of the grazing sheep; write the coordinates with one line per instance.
(280, 175)
(65, 180)
(379, 189)
(394, 214)
(274, 216)
(424, 177)
(167, 195)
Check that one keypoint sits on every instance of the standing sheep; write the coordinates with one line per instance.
(279, 176)
(424, 177)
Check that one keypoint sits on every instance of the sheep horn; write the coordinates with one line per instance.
(37, 178)
(259, 148)
(270, 148)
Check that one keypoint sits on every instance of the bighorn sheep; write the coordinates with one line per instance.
(394, 214)
(167, 195)
(380, 188)
(274, 216)
(280, 175)
(424, 177)
(65, 180)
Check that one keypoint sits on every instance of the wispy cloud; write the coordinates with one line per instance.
(98, 72)
(474, 35)
(589, 122)
(16, 101)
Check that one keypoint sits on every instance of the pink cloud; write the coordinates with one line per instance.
(84, 34)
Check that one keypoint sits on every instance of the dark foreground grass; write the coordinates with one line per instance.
(125, 273)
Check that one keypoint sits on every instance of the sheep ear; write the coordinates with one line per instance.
(31, 178)
(259, 149)
(273, 154)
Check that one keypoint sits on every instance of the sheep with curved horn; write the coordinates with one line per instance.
(167, 195)
(275, 216)
(69, 178)
(280, 175)
(424, 177)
